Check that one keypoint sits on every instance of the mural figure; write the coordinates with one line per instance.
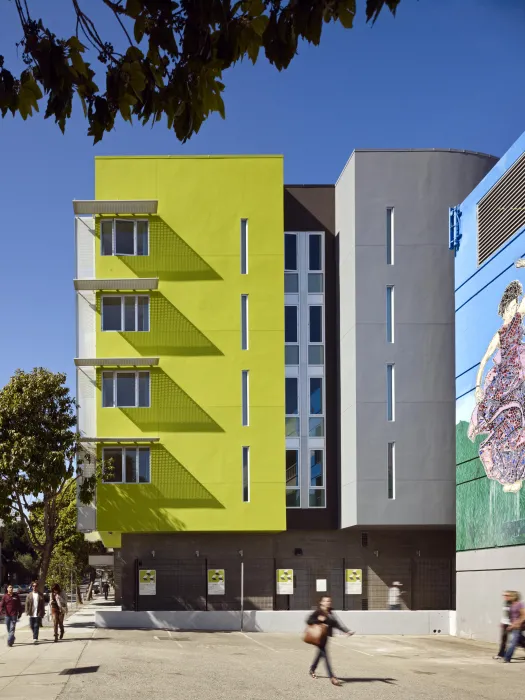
(500, 398)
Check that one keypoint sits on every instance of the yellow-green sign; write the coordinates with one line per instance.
(216, 582)
(147, 582)
(354, 581)
(284, 581)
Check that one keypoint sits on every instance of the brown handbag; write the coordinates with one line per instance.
(315, 634)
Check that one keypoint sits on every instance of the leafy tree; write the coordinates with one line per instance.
(39, 472)
(70, 555)
(170, 57)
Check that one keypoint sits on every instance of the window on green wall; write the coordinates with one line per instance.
(126, 465)
(126, 390)
(124, 237)
(125, 313)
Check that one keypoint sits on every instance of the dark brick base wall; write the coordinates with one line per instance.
(423, 561)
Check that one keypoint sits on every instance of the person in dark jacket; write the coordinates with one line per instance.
(11, 607)
(324, 615)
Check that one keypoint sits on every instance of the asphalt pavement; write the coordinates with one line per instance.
(132, 664)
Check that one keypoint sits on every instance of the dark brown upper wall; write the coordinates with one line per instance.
(312, 208)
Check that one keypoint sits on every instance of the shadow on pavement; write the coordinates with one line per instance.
(389, 681)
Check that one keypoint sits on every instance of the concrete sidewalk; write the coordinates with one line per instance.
(41, 671)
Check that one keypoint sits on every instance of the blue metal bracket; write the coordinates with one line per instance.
(454, 229)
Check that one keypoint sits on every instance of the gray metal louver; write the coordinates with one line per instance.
(501, 212)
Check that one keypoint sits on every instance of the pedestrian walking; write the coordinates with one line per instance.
(320, 627)
(35, 610)
(394, 596)
(105, 589)
(58, 605)
(517, 624)
(504, 626)
(11, 608)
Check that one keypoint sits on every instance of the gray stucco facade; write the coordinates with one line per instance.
(420, 186)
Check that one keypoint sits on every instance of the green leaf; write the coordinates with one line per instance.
(259, 24)
(75, 44)
(346, 17)
(28, 95)
(139, 28)
(134, 8)
(78, 63)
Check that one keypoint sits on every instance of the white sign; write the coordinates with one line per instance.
(354, 581)
(216, 582)
(320, 585)
(284, 581)
(147, 582)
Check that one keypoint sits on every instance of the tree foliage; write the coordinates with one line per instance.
(167, 60)
(39, 472)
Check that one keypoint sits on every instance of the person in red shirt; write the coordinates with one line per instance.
(11, 607)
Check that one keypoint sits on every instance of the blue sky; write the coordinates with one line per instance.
(447, 74)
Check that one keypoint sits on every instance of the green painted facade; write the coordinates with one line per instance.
(195, 330)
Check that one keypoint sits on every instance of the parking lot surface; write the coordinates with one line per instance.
(95, 663)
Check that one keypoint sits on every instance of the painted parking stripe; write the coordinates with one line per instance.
(258, 642)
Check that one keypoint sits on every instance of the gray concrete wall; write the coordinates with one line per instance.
(420, 186)
(431, 622)
(482, 576)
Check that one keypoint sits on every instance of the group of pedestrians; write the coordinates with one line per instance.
(512, 626)
(35, 609)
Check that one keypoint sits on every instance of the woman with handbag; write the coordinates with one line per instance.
(320, 627)
(58, 605)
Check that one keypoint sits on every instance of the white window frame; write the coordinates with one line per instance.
(245, 399)
(246, 474)
(390, 311)
(298, 487)
(244, 246)
(316, 488)
(114, 238)
(123, 452)
(391, 392)
(390, 237)
(391, 472)
(244, 322)
(136, 373)
(122, 298)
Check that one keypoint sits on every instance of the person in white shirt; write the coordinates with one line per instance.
(35, 609)
(394, 596)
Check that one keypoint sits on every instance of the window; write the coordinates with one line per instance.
(126, 389)
(293, 493)
(244, 322)
(391, 470)
(290, 324)
(291, 407)
(245, 398)
(390, 314)
(292, 399)
(316, 498)
(316, 324)
(291, 283)
(316, 420)
(124, 237)
(315, 252)
(125, 313)
(315, 354)
(244, 246)
(291, 355)
(390, 236)
(315, 282)
(390, 392)
(126, 465)
(245, 474)
(290, 251)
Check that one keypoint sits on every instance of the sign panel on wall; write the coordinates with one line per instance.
(354, 581)
(216, 582)
(284, 581)
(320, 585)
(147, 582)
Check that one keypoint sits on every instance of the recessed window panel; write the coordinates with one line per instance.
(290, 251)
(317, 498)
(292, 468)
(316, 427)
(315, 282)
(315, 257)
(316, 324)
(291, 397)
(293, 498)
(291, 283)
(292, 427)
(316, 468)
(290, 324)
(291, 354)
(316, 395)
(316, 354)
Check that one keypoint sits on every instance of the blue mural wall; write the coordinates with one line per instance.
(490, 352)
